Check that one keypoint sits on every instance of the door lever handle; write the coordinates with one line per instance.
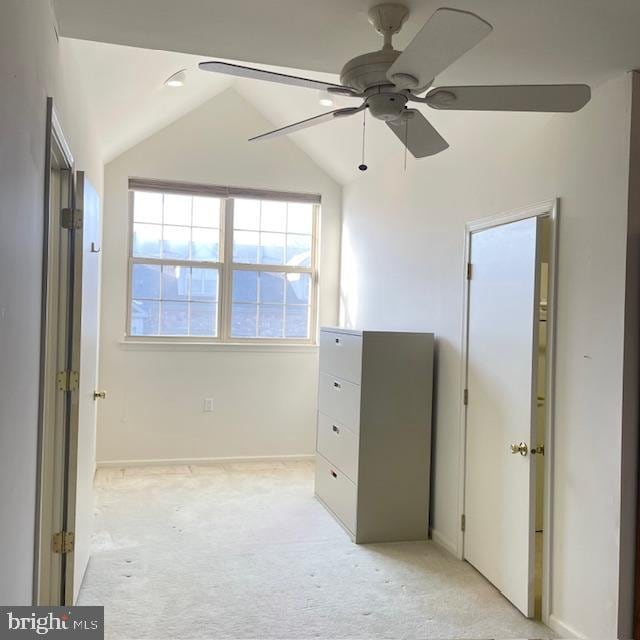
(520, 448)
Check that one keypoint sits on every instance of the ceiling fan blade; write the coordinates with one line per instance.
(560, 98)
(418, 134)
(309, 122)
(446, 36)
(271, 76)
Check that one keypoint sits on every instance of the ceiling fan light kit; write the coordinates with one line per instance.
(387, 80)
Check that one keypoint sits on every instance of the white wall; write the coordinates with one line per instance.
(264, 397)
(31, 68)
(403, 269)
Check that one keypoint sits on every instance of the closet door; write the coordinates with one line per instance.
(501, 381)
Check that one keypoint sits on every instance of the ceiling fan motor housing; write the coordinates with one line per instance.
(386, 106)
(367, 74)
(368, 70)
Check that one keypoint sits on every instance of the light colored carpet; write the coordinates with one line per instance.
(244, 551)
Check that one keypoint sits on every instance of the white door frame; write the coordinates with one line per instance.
(548, 209)
(47, 567)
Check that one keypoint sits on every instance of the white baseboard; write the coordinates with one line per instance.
(102, 464)
(562, 629)
(443, 541)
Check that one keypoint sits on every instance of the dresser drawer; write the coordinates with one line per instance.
(341, 355)
(338, 445)
(339, 400)
(337, 492)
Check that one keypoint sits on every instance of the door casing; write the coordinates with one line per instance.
(548, 209)
(47, 577)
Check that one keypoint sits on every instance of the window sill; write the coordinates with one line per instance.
(131, 344)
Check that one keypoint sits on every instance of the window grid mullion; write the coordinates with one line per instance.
(258, 297)
(189, 290)
(177, 262)
(227, 293)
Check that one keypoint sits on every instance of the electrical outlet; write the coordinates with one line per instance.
(208, 405)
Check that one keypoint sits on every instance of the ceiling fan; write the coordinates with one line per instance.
(387, 80)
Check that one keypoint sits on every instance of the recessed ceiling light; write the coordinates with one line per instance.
(325, 99)
(178, 79)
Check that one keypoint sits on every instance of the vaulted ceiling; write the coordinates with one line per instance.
(532, 42)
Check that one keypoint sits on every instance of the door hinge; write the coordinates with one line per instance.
(469, 270)
(71, 218)
(62, 542)
(465, 397)
(463, 522)
(68, 380)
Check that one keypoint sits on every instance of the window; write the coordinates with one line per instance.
(221, 264)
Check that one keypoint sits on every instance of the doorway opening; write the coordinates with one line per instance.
(505, 503)
(71, 274)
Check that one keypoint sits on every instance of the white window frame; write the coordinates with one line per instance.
(225, 264)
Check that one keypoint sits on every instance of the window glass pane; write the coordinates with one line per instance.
(299, 217)
(245, 286)
(245, 246)
(298, 285)
(176, 242)
(177, 209)
(206, 212)
(203, 319)
(174, 318)
(145, 315)
(147, 207)
(274, 216)
(146, 281)
(147, 240)
(272, 287)
(205, 244)
(297, 322)
(183, 299)
(246, 214)
(244, 320)
(271, 320)
(175, 283)
(204, 284)
(272, 248)
(298, 250)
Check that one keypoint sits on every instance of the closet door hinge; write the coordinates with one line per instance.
(68, 380)
(62, 542)
(463, 522)
(465, 397)
(71, 219)
(469, 270)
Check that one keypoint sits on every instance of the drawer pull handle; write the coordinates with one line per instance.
(337, 340)
(334, 474)
(337, 385)
(335, 429)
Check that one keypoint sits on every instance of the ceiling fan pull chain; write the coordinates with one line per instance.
(362, 166)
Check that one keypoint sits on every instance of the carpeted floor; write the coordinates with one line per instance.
(245, 551)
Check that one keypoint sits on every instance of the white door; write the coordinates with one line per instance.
(82, 441)
(501, 375)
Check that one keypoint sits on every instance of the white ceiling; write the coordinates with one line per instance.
(533, 41)
(128, 101)
(125, 90)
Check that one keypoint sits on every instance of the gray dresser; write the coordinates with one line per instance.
(373, 446)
